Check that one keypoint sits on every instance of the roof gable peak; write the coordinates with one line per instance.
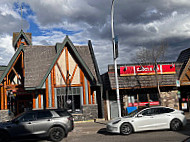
(21, 38)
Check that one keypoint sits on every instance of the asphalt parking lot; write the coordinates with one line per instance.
(96, 131)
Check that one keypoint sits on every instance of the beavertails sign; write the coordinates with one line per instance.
(147, 69)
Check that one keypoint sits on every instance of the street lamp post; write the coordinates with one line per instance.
(115, 57)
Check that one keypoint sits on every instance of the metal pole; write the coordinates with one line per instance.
(115, 62)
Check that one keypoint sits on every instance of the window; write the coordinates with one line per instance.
(147, 112)
(62, 113)
(143, 98)
(73, 95)
(166, 110)
(28, 117)
(155, 111)
(153, 97)
(44, 114)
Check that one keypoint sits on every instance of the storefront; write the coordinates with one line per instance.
(140, 87)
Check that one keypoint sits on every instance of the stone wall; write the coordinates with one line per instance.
(5, 115)
(89, 112)
(170, 99)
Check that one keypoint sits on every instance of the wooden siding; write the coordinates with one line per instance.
(66, 64)
(52, 88)
(39, 101)
(2, 98)
(66, 70)
(74, 70)
(47, 104)
(34, 100)
(62, 63)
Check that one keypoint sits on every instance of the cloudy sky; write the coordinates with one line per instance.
(138, 23)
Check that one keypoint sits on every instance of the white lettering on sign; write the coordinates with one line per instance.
(146, 69)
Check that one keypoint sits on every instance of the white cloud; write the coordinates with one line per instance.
(136, 23)
(6, 10)
(6, 49)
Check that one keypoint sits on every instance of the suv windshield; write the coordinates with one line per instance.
(16, 118)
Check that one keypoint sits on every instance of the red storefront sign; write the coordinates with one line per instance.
(143, 104)
(147, 69)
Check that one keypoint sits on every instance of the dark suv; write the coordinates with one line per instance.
(52, 123)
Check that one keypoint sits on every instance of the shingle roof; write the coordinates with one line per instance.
(184, 56)
(86, 56)
(2, 69)
(37, 60)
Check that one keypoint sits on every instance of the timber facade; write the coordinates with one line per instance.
(44, 77)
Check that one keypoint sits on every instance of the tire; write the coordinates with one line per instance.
(175, 125)
(4, 137)
(56, 134)
(126, 129)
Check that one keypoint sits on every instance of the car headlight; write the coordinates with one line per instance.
(117, 121)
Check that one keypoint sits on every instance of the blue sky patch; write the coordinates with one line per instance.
(34, 27)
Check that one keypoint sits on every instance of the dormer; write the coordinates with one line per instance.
(21, 38)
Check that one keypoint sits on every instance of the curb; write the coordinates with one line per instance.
(91, 120)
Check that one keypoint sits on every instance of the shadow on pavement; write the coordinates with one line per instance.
(103, 123)
(104, 132)
(186, 131)
(29, 140)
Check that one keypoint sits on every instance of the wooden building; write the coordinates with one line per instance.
(43, 77)
(138, 86)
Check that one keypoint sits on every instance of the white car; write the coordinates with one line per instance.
(153, 118)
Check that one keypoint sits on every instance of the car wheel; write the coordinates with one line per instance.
(56, 134)
(175, 125)
(126, 129)
(4, 137)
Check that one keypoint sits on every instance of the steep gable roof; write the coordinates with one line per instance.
(17, 36)
(87, 54)
(37, 60)
(54, 55)
(11, 62)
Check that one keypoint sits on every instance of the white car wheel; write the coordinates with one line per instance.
(175, 125)
(126, 129)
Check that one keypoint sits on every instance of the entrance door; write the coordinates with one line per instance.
(114, 109)
(23, 105)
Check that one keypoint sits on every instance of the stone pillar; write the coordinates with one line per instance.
(170, 99)
(125, 103)
(5, 115)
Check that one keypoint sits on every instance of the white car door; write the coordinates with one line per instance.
(162, 119)
(144, 121)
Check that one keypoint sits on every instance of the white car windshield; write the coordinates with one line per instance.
(133, 113)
